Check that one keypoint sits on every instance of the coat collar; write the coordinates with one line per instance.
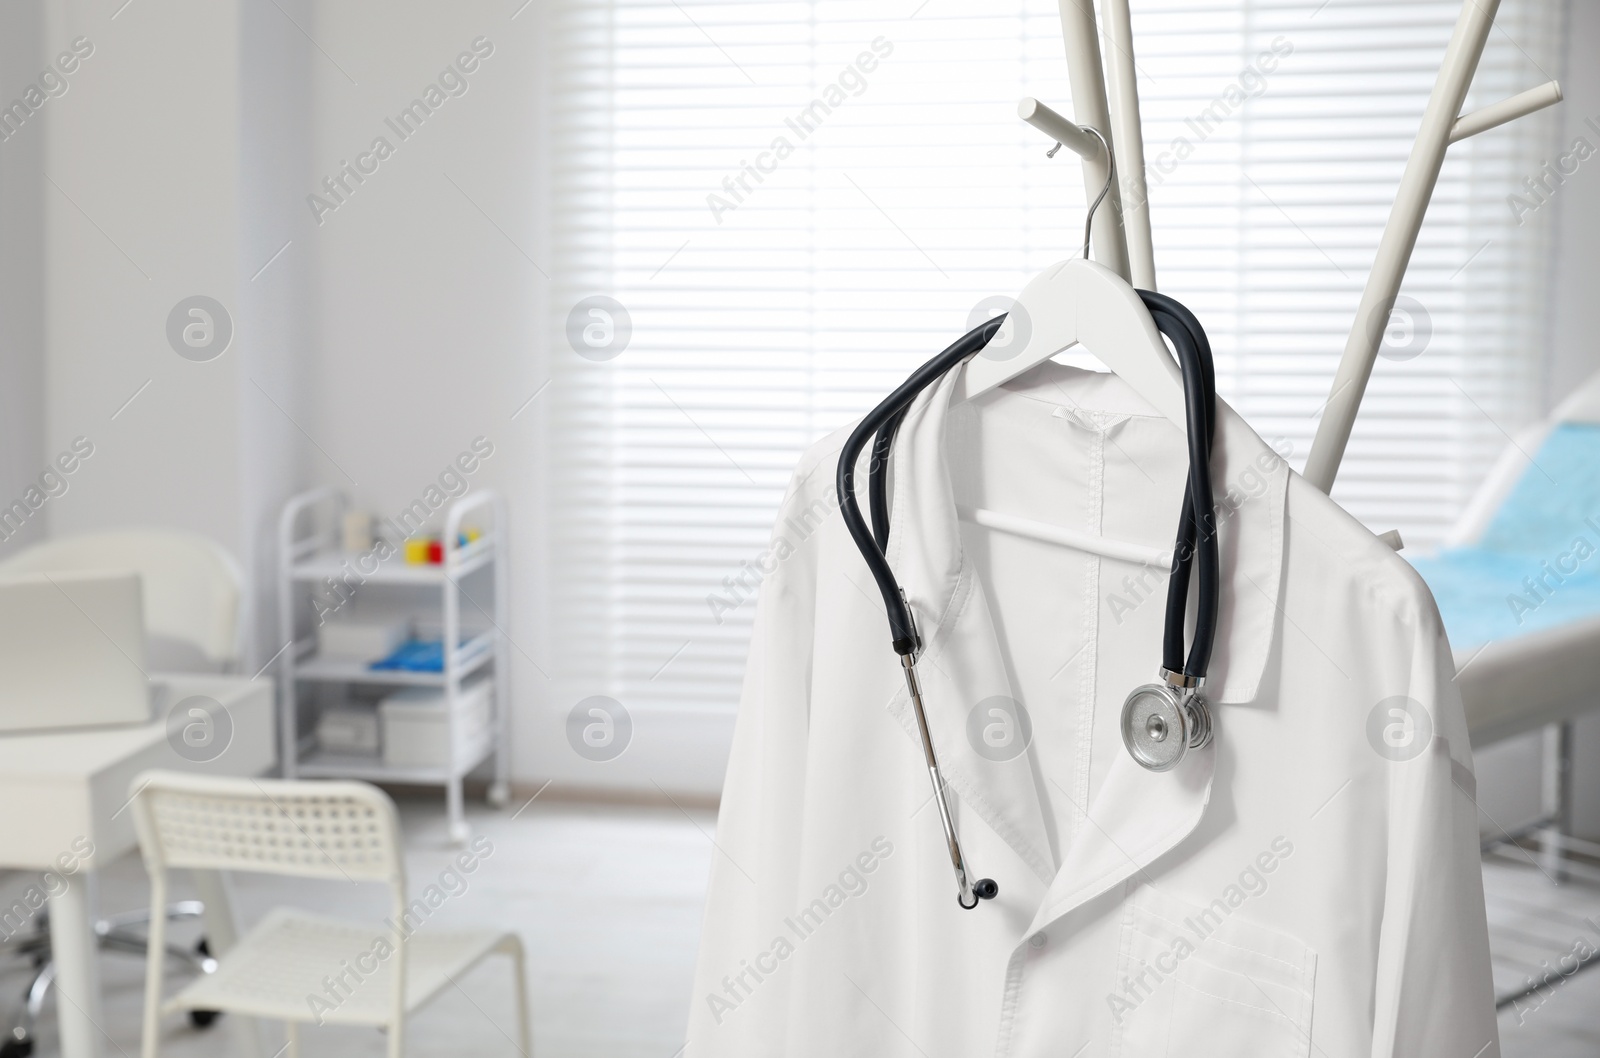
(1134, 816)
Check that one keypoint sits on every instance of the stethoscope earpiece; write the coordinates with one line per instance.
(984, 889)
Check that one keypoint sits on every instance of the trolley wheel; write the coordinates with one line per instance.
(17, 1047)
(499, 794)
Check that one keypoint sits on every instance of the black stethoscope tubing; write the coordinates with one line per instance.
(1177, 703)
(1197, 526)
(889, 413)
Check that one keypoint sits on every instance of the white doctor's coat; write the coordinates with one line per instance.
(1308, 885)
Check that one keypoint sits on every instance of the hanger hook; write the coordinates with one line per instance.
(1111, 175)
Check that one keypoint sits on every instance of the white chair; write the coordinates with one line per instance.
(343, 831)
(191, 589)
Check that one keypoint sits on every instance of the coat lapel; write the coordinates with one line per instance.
(1134, 818)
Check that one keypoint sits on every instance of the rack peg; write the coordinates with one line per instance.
(1084, 144)
(1496, 114)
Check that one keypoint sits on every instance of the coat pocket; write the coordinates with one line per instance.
(1205, 982)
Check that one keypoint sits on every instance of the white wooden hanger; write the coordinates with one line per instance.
(1077, 302)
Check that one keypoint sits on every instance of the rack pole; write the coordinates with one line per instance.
(1090, 108)
(1123, 82)
(1399, 239)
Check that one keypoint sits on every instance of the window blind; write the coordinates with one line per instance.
(795, 203)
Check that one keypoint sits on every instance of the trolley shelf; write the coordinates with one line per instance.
(395, 570)
(320, 764)
(473, 655)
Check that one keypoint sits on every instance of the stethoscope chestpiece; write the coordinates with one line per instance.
(1162, 722)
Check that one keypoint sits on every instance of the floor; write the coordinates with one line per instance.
(609, 900)
(1544, 924)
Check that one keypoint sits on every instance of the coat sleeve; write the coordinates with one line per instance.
(1434, 990)
(737, 1010)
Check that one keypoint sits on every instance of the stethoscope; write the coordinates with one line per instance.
(1161, 721)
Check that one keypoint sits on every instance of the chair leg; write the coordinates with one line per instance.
(519, 980)
(397, 1037)
(141, 916)
(292, 1029)
(216, 907)
(246, 1032)
(154, 967)
(1557, 797)
(32, 1005)
(455, 808)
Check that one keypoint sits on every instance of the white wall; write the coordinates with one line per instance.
(158, 169)
(1575, 350)
(274, 300)
(142, 211)
(430, 281)
(22, 187)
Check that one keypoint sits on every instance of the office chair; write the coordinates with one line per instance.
(192, 591)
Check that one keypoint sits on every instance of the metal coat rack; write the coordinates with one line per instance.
(1106, 98)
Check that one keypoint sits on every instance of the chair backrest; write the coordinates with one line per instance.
(334, 830)
(72, 651)
(192, 589)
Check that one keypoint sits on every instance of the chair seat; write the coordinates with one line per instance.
(300, 967)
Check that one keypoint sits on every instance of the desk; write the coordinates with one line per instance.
(61, 788)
